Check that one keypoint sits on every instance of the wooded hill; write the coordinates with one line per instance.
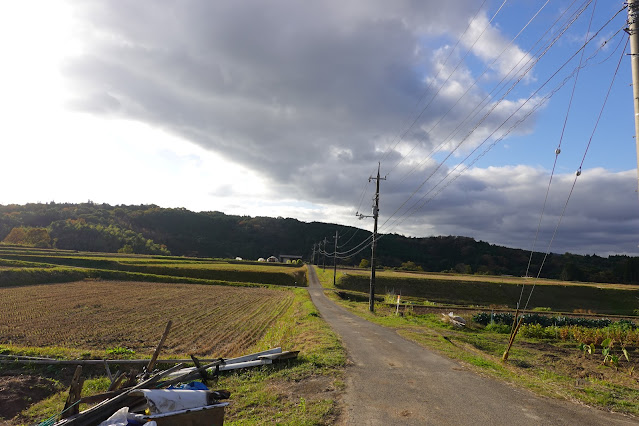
(149, 229)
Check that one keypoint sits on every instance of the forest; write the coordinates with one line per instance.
(149, 229)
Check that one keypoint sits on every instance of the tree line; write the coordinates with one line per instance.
(149, 229)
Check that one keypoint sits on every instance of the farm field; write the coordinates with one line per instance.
(613, 299)
(140, 268)
(208, 321)
(500, 279)
(53, 310)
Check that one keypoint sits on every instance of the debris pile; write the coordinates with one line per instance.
(176, 396)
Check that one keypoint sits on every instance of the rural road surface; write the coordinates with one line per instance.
(392, 381)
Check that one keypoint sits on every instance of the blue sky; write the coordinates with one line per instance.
(613, 144)
(284, 109)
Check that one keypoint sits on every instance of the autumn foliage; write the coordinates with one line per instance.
(30, 237)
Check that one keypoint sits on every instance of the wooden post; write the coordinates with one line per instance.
(75, 391)
(154, 358)
(202, 371)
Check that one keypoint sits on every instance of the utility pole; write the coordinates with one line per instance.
(324, 266)
(371, 295)
(633, 31)
(335, 260)
(313, 256)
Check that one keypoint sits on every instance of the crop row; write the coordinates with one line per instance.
(279, 275)
(208, 320)
(507, 318)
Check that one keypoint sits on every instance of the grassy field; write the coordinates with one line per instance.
(41, 314)
(546, 360)
(505, 291)
(35, 266)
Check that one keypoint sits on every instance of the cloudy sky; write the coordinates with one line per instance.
(285, 108)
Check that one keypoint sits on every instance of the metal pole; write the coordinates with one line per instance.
(335, 260)
(633, 31)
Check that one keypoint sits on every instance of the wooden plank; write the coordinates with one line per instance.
(75, 390)
(119, 378)
(203, 374)
(108, 371)
(103, 410)
(154, 358)
(100, 361)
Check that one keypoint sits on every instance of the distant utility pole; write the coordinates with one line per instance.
(313, 256)
(324, 266)
(633, 32)
(371, 295)
(335, 260)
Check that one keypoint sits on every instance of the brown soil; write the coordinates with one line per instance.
(586, 367)
(20, 391)
(310, 389)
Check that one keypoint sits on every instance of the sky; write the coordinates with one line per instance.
(285, 108)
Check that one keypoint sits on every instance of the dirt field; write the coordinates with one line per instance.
(98, 315)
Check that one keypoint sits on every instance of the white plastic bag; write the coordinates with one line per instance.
(119, 418)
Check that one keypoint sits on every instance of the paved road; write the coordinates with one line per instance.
(392, 381)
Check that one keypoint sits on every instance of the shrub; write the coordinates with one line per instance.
(498, 328)
(537, 331)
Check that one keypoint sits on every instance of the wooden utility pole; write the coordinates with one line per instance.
(633, 32)
(313, 256)
(371, 295)
(324, 261)
(335, 260)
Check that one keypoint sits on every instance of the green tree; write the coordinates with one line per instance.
(364, 264)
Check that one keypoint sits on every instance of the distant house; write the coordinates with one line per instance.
(289, 257)
(272, 259)
(261, 259)
(238, 258)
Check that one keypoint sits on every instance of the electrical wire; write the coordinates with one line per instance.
(414, 207)
(487, 114)
(400, 135)
(496, 89)
(558, 151)
(475, 81)
(578, 173)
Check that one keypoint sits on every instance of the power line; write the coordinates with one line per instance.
(487, 114)
(558, 150)
(414, 208)
(400, 135)
(475, 81)
(563, 212)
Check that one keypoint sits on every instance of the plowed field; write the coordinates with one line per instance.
(207, 320)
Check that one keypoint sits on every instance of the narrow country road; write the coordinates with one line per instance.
(392, 381)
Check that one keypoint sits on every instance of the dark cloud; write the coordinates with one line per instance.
(503, 206)
(271, 85)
